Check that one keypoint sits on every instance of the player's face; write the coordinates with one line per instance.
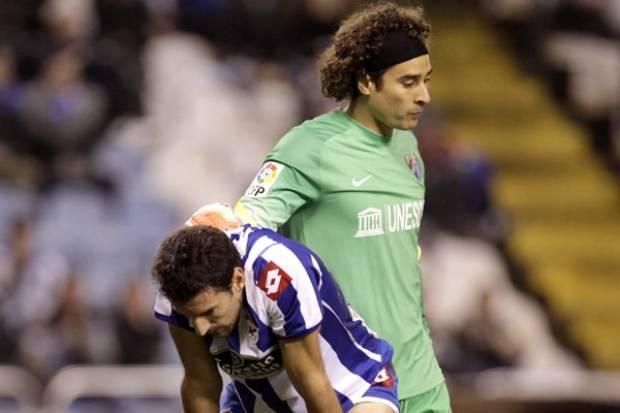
(215, 312)
(399, 100)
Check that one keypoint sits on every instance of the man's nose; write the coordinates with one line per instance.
(202, 326)
(423, 96)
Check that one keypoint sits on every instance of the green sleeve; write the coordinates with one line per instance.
(287, 180)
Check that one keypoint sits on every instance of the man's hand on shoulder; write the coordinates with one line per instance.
(217, 215)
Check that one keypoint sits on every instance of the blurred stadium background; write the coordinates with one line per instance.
(118, 118)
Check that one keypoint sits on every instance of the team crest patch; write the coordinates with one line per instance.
(273, 280)
(251, 328)
(412, 163)
(264, 179)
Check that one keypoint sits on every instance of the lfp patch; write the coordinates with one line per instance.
(264, 179)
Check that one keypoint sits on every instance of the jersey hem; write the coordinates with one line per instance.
(416, 391)
(379, 400)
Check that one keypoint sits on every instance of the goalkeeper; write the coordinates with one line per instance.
(350, 185)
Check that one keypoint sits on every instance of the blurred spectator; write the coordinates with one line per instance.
(64, 337)
(69, 22)
(30, 283)
(14, 162)
(123, 22)
(12, 261)
(115, 59)
(479, 319)
(63, 114)
(18, 170)
(583, 50)
(458, 184)
(246, 26)
(483, 342)
(139, 334)
(575, 46)
(11, 91)
(210, 117)
(585, 16)
(16, 16)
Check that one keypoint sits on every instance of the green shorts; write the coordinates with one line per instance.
(436, 400)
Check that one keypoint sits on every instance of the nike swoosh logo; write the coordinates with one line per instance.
(360, 182)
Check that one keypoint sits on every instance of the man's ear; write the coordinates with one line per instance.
(365, 84)
(238, 279)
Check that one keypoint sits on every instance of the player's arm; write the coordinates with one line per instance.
(304, 365)
(271, 201)
(202, 384)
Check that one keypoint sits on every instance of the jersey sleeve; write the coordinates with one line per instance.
(287, 180)
(287, 289)
(165, 312)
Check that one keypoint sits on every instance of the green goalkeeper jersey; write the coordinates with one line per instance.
(356, 198)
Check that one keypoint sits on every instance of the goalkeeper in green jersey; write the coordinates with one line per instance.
(350, 185)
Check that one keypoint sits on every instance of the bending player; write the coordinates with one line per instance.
(268, 313)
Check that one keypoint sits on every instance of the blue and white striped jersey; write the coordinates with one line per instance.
(289, 293)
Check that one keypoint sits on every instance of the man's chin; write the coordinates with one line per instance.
(410, 124)
(407, 125)
(221, 332)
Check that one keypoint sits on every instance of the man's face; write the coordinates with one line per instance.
(215, 312)
(400, 98)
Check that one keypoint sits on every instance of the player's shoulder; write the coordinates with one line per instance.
(266, 245)
(250, 241)
(267, 242)
(313, 133)
(254, 242)
(327, 125)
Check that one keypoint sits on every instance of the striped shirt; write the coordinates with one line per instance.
(288, 293)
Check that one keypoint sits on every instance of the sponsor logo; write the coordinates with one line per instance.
(404, 216)
(273, 280)
(369, 223)
(359, 182)
(264, 179)
(248, 367)
(412, 163)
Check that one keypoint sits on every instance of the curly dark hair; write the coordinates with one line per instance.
(192, 260)
(360, 38)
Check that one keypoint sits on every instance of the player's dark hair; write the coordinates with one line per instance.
(360, 38)
(192, 260)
